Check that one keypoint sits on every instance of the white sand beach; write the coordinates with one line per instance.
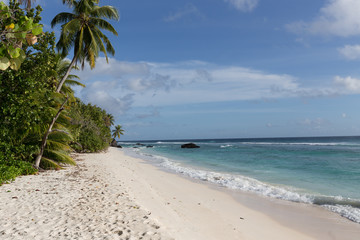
(114, 196)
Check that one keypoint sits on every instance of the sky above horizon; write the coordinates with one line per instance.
(228, 68)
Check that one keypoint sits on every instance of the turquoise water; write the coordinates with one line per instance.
(323, 170)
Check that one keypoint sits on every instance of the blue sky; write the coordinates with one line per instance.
(229, 68)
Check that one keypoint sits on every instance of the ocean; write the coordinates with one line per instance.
(316, 170)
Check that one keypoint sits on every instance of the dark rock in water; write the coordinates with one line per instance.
(113, 143)
(189, 145)
(140, 144)
(119, 146)
(149, 146)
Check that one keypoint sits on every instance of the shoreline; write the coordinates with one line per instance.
(314, 221)
(114, 196)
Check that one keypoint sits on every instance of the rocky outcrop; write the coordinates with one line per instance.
(189, 145)
(114, 143)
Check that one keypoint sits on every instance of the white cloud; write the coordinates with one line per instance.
(337, 17)
(188, 10)
(119, 86)
(349, 84)
(351, 52)
(344, 115)
(243, 5)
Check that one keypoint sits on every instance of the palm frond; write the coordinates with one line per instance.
(47, 163)
(59, 156)
(100, 44)
(108, 12)
(101, 23)
(61, 18)
(69, 82)
(60, 137)
(109, 47)
(55, 145)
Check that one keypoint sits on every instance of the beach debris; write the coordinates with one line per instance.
(189, 145)
(242, 218)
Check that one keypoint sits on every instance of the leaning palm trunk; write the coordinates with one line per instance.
(43, 143)
(63, 79)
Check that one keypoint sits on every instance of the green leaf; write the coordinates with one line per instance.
(37, 30)
(10, 35)
(28, 24)
(22, 55)
(15, 63)
(4, 63)
(20, 35)
(14, 52)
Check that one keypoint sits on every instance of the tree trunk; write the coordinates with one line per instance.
(43, 143)
(61, 83)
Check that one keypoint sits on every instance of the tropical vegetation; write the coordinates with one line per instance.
(41, 120)
(81, 31)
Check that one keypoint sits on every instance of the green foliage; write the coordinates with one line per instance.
(17, 29)
(81, 30)
(11, 164)
(91, 132)
(29, 99)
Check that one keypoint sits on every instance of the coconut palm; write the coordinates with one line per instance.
(109, 120)
(62, 66)
(81, 30)
(117, 132)
(54, 145)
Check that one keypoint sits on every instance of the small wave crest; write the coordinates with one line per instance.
(226, 146)
(301, 143)
(346, 211)
(237, 182)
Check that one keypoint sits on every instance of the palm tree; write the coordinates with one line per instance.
(53, 148)
(62, 66)
(117, 132)
(81, 30)
(109, 120)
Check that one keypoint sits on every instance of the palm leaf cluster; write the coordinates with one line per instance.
(117, 131)
(81, 30)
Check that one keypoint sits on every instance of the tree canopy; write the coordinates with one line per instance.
(35, 117)
(81, 31)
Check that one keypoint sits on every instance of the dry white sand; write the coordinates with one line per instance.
(76, 203)
(113, 196)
